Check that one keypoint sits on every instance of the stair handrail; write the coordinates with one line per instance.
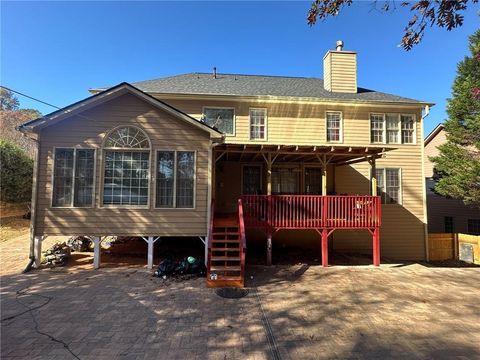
(243, 240)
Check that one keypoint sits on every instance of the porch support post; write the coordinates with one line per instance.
(376, 247)
(323, 160)
(150, 242)
(37, 250)
(373, 177)
(269, 174)
(324, 247)
(269, 248)
(97, 240)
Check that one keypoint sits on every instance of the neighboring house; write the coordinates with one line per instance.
(445, 215)
(148, 159)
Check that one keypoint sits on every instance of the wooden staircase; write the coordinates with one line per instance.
(226, 252)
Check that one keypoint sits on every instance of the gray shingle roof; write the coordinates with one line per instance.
(259, 85)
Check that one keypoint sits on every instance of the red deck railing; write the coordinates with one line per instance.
(312, 211)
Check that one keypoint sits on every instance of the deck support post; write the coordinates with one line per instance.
(324, 247)
(373, 177)
(37, 250)
(97, 240)
(376, 247)
(150, 252)
(269, 248)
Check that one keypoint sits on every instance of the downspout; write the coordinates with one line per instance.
(424, 192)
(33, 208)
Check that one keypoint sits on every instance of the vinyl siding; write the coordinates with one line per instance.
(88, 131)
(340, 72)
(431, 149)
(403, 227)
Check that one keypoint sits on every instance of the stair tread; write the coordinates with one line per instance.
(232, 278)
(226, 241)
(225, 233)
(226, 249)
(218, 258)
(225, 268)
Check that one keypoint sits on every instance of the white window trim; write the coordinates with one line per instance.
(399, 119)
(400, 178)
(383, 127)
(154, 178)
(414, 129)
(71, 206)
(265, 138)
(399, 128)
(120, 148)
(224, 108)
(261, 176)
(340, 141)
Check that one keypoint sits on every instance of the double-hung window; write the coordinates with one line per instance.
(377, 128)
(222, 119)
(73, 177)
(175, 184)
(258, 124)
(334, 126)
(392, 128)
(408, 129)
(127, 165)
(389, 185)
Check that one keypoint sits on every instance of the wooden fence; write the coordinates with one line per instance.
(444, 246)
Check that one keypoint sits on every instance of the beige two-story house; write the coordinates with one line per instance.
(234, 159)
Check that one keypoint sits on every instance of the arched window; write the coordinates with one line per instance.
(127, 166)
(127, 137)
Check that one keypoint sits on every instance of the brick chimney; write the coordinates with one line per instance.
(340, 70)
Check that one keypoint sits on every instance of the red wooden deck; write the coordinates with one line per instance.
(325, 214)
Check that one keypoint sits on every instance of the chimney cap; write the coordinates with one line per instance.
(339, 45)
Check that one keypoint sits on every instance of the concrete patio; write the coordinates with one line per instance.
(291, 312)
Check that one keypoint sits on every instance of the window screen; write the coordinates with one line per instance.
(221, 119)
(185, 178)
(126, 178)
(334, 123)
(63, 177)
(165, 178)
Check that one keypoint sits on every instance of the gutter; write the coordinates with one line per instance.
(424, 191)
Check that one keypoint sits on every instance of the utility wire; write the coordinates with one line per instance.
(29, 97)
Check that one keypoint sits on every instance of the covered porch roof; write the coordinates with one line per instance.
(337, 154)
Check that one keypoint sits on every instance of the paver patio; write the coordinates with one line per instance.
(353, 312)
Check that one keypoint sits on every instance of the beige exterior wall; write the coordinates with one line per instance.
(340, 71)
(440, 207)
(431, 149)
(403, 228)
(88, 131)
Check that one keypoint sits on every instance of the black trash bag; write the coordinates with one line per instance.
(198, 267)
(183, 267)
(166, 267)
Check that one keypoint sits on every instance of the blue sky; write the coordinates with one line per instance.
(55, 51)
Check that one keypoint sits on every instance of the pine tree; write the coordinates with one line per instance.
(458, 164)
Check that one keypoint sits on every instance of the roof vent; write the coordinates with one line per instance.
(339, 45)
(214, 72)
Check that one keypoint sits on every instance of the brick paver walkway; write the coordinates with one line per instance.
(410, 312)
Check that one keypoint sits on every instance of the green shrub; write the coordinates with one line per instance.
(16, 172)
